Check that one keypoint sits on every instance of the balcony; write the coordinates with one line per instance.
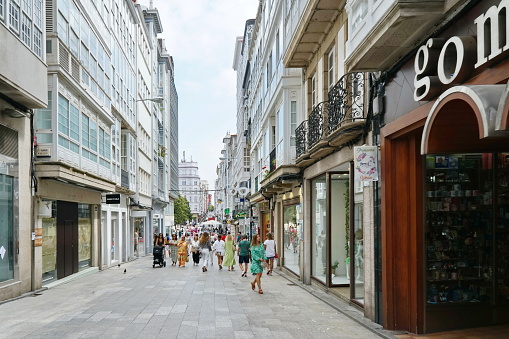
(347, 102)
(335, 122)
(381, 32)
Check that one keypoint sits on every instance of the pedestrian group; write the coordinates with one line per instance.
(202, 248)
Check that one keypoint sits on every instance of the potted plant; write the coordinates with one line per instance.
(333, 268)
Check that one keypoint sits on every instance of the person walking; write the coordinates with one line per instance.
(159, 240)
(173, 249)
(229, 250)
(183, 252)
(205, 247)
(258, 258)
(218, 247)
(243, 252)
(195, 249)
(270, 250)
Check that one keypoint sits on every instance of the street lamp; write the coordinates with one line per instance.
(157, 100)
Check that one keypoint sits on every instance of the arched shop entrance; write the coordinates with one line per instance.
(446, 227)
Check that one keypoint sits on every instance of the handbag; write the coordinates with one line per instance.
(276, 256)
(263, 264)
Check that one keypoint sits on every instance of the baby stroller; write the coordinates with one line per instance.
(158, 253)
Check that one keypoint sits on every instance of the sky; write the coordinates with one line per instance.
(200, 35)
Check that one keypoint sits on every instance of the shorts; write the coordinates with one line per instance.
(220, 253)
(243, 259)
(270, 258)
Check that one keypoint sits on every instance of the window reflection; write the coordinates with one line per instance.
(319, 224)
(292, 236)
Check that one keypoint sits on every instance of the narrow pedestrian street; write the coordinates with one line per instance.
(173, 302)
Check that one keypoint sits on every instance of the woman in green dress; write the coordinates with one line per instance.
(229, 250)
(257, 257)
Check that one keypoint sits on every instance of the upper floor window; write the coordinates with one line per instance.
(293, 121)
(330, 69)
(313, 91)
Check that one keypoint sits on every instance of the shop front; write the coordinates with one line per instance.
(336, 225)
(445, 205)
(69, 224)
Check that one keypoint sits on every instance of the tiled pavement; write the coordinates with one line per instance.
(174, 302)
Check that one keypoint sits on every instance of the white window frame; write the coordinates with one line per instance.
(330, 69)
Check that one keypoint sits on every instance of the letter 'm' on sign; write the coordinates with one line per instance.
(491, 38)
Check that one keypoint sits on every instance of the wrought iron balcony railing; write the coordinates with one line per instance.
(316, 121)
(301, 136)
(347, 100)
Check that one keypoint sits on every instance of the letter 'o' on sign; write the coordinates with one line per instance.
(454, 64)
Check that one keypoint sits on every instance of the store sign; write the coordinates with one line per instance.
(366, 163)
(241, 215)
(112, 198)
(439, 63)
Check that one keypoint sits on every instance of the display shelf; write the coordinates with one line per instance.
(458, 230)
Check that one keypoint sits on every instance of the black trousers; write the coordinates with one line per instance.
(196, 257)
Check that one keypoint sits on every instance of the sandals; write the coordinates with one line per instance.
(253, 286)
(260, 291)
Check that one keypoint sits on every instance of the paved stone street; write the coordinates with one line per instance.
(174, 302)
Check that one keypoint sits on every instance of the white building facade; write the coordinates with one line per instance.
(190, 186)
(22, 33)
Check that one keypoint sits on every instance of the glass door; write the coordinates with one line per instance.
(291, 237)
(319, 229)
(340, 229)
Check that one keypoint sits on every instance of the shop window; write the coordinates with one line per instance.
(7, 249)
(85, 236)
(459, 230)
(340, 230)
(49, 246)
(292, 222)
(319, 229)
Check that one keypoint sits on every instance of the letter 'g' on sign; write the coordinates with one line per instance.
(438, 64)
(426, 81)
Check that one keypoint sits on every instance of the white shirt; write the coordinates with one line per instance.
(270, 248)
(218, 246)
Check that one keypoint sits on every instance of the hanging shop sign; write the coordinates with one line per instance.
(241, 215)
(113, 198)
(366, 163)
(440, 63)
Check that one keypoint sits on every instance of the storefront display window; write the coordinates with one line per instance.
(319, 229)
(84, 236)
(292, 222)
(459, 229)
(49, 246)
(358, 248)
(6, 227)
(340, 229)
